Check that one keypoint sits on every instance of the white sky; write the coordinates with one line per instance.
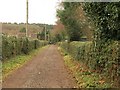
(40, 11)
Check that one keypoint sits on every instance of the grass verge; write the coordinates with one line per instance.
(14, 63)
(83, 76)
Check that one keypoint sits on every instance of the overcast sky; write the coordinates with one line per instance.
(40, 11)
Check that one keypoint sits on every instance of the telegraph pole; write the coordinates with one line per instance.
(45, 33)
(26, 18)
(48, 37)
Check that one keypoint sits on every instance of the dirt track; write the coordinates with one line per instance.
(46, 70)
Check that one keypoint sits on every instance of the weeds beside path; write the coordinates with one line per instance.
(16, 62)
(83, 76)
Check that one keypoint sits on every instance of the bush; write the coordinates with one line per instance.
(12, 46)
(23, 30)
(106, 62)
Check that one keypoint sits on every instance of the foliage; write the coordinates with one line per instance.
(58, 33)
(84, 77)
(23, 30)
(41, 35)
(83, 51)
(12, 46)
(103, 54)
(106, 19)
(68, 17)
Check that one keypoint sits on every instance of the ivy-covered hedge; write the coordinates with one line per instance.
(12, 46)
(106, 37)
(105, 63)
(103, 54)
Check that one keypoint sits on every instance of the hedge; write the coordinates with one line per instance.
(105, 63)
(12, 46)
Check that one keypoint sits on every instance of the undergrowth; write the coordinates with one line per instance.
(84, 77)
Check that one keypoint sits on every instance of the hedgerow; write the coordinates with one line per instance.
(84, 52)
(12, 46)
(106, 39)
(103, 54)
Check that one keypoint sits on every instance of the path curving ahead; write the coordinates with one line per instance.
(46, 70)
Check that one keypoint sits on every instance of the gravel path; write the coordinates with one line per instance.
(46, 70)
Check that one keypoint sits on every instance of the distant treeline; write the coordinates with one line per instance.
(39, 24)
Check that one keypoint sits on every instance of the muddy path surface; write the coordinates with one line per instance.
(46, 70)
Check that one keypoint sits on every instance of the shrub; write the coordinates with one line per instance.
(12, 46)
(106, 62)
(23, 30)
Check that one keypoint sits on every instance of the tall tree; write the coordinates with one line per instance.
(67, 16)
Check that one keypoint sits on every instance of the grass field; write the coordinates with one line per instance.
(14, 29)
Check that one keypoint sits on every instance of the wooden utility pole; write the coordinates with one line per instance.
(26, 18)
(45, 32)
(48, 37)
